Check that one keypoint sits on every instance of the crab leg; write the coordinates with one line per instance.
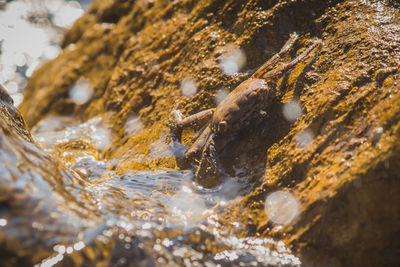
(208, 166)
(198, 145)
(289, 43)
(279, 70)
(178, 123)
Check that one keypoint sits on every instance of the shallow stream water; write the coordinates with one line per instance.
(156, 217)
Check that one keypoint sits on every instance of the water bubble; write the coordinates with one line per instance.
(188, 87)
(102, 137)
(122, 261)
(214, 35)
(80, 245)
(69, 250)
(20, 60)
(51, 51)
(232, 61)
(163, 261)
(221, 95)
(29, 71)
(133, 125)
(66, 15)
(52, 261)
(167, 243)
(146, 226)
(257, 83)
(3, 222)
(12, 87)
(187, 206)
(24, 37)
(281, 207)
(61, 249)
(81, 92)
(17, 98)
(52, 5)
(229, 67)
(304, 138)
(227, 255)
(376, 136)
(292, 110)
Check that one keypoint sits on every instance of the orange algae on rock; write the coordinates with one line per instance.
(135, 54)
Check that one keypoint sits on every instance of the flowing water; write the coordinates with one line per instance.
(156, 217)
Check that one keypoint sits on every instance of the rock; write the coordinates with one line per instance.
(43, 219)
(34, 217)
(339, 158)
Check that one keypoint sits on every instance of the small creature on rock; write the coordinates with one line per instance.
(231, 115)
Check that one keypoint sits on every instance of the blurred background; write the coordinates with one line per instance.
(30, 33)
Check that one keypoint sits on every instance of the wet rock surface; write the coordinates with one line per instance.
(339, 156)
(38, 210)
(65, 207)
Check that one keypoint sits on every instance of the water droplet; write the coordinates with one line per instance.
(188, 87)
(376, 136)
(32, 67)
(81, 92)
(51, 51)
(3, 222)
(20, 60)
(133, 125)
(304, 138)
(162, 260)
(214, 35)
(258, 83)
(80, 245)
(187, 207)
(281, 207)
(166, 242)
(146, 226)
(12, 87)
(52, 261)
(102, 137)
(232, 61)
(221, 95)
(61, 249)
(69, 250)
(17, 98)
(65, 15)
(292, 110)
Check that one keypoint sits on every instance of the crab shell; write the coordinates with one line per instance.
(233, 112)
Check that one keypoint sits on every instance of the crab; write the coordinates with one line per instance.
(235, 112)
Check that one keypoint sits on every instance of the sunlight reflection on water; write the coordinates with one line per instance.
(162, 208)
(30, 33)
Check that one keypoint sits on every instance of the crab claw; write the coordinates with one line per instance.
(207, 174)
(175, 118)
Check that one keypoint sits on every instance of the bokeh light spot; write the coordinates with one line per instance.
(292, 110)
(81, 92)
(221, 95)
(133, 125)
(232, 61)
(188, 87)
(304, 138)
(281, 207)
